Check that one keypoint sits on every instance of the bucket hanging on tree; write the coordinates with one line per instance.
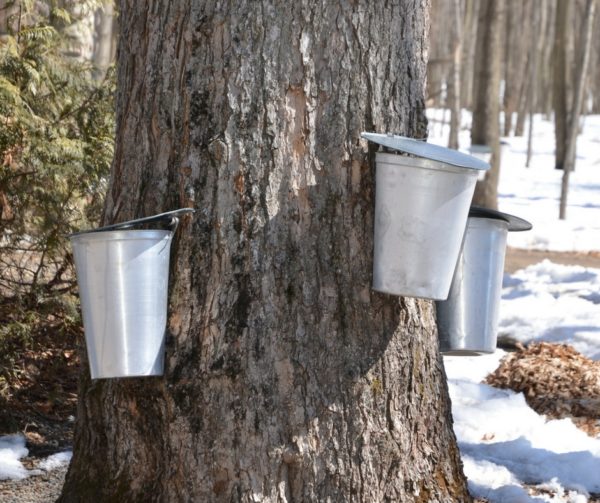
(123, 276)
(421, 207)
(468, 320)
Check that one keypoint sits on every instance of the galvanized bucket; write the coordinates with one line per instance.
(123, 275)
(421, 209)
(468, 321)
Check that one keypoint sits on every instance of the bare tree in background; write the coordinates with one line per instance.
(535, 50)
(561, 79)
(104, 39)
(454, 90)
(515, 57)
(469, 34)
(573, 122)
(545, 93)
(485, 129)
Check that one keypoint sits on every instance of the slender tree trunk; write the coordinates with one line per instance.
(546, 81)
(516, 58)
(573, 130)
(103, 40)
(455, 82)
(522, 106)
(560, 80)
(594, 73)
(287, 378)
(523, 74)
(437, 57)
(531, 117)
(468, 53)
(536, 48)
(485, 129)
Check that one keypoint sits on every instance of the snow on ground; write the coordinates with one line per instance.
(504, 443)
(553, 303)
(56, 461)
(12, 449)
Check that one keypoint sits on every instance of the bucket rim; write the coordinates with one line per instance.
(515, 224)
(122, 234)
(423, 163)
(171, 216)
(423, 149)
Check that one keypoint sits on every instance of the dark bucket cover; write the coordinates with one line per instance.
(515, 224)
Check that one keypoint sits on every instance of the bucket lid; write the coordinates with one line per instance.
(515, 224)
(171, 216)
(427, 150)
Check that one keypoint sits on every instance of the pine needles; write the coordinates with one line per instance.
(56, 145)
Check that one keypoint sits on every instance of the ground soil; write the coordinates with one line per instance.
(42, 405)
(519, 259)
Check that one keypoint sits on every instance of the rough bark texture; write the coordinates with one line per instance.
(485, 128)
(287, 378)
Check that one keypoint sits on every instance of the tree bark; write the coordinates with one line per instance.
(287, 378)
(573, 129)
(485, 129)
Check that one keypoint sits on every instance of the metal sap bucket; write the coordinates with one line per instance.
(468, 321)
(421, 208)
(123, 277)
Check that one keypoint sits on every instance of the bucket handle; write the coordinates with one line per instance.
(173, 216)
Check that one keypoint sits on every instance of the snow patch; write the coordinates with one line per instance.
(56, 461)
(12, 449)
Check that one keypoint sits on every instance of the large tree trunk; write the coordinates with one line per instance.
(485, 128)
(287, 378)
